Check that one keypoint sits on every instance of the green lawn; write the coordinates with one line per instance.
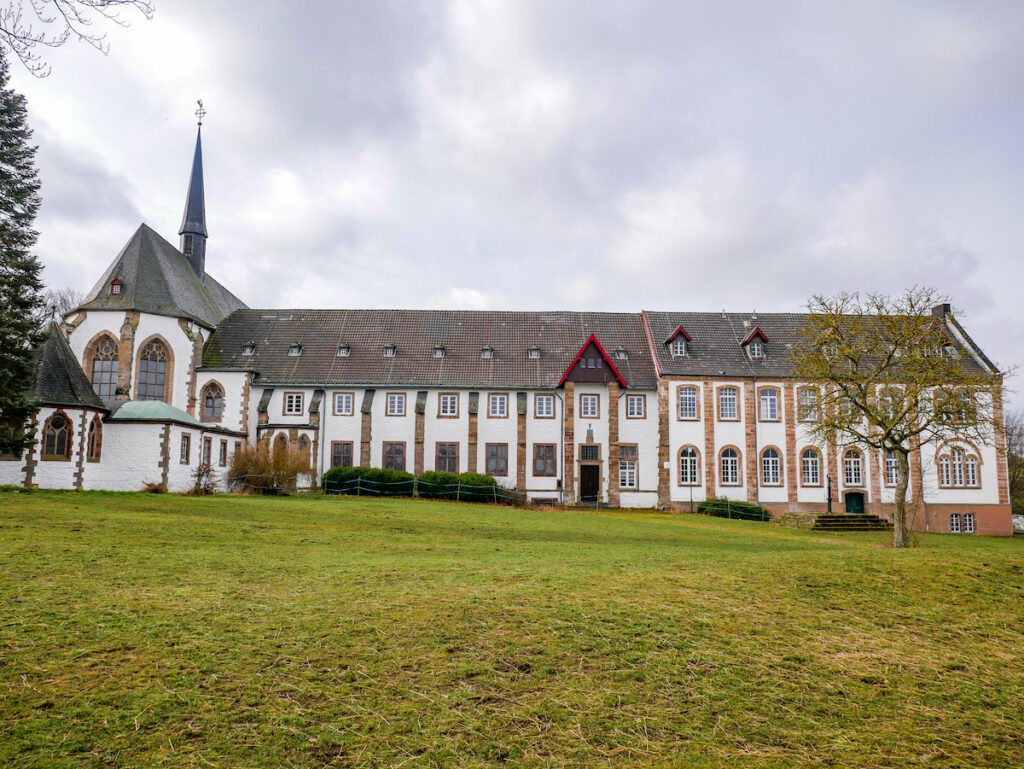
(145, 630)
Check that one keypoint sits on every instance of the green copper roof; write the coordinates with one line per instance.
(154, 411)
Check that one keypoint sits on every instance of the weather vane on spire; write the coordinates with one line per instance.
(200, 113)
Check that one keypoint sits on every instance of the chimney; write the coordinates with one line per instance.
(940, 310)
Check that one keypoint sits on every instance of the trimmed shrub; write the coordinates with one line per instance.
(370, 481)
(460, 487)
(723, 507)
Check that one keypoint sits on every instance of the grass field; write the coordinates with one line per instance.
(147, 630)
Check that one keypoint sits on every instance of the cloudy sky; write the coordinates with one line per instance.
(575, 155)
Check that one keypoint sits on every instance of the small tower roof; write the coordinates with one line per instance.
(59, 379)
(194, 219)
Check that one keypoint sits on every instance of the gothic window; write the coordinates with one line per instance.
(95, 440)
(57, 437)
(104, 368)
(152, 372)
(213, 402)
(281, 443)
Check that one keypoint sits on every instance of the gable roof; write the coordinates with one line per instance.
(415, 333)
(59, 379)
(756, 332)
(611, 366)
(158, 278)
(677, 332)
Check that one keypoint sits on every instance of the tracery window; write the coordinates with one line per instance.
(104, 368)
(57, 437)
(95, 440)
(213, 402)
(152, 372)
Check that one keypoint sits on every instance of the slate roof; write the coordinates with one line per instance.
(415, 333)
(716, 346)
(194, 218)
(59, 379)
(156, 277)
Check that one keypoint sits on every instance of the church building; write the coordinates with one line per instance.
(162, 370)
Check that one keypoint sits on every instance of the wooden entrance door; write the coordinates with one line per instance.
(855, 502)
(590, 483)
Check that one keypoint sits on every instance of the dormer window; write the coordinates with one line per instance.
(755, 349)
(948, 350)
(621, 354)
(487, 353)
(534, 352)
(344, 350)
(295, 350)
(439, 351)
(115, 288)
(679, 346)
(249, 349)
(390, 350)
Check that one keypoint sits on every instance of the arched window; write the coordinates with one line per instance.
(689, 465)
(95, 440)
(853, 468)
(810, 464)
(152, 384)
(771, 468)
(57, 437)
(730, 463)
(104, 368)
(213, 402)
(957, 467)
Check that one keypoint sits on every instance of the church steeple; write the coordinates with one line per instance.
(193, 222)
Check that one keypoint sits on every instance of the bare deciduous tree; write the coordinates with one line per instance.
(28, 25)
(890, 375)
(1015, 458)
(58, 302)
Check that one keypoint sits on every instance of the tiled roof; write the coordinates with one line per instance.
(717, 339)
(59, 379)
(415, 333)
(158, 278)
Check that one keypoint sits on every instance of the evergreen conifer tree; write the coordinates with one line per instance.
(20, 286)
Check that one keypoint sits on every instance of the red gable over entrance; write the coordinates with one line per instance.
(604, 356)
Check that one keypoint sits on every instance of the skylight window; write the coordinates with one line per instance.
(534, 352)
(344, 350)
(389, 351)
(487, 353)
(621, 354)
(249, 349)
(295, 350)
(439, 351)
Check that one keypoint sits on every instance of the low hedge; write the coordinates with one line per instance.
(723, 507)
(463, 487)
(371, 481)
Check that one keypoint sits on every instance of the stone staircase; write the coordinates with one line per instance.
(833, 522)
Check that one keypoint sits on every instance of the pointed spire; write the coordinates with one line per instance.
(193, 222)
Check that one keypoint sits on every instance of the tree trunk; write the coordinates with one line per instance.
(899, 515)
